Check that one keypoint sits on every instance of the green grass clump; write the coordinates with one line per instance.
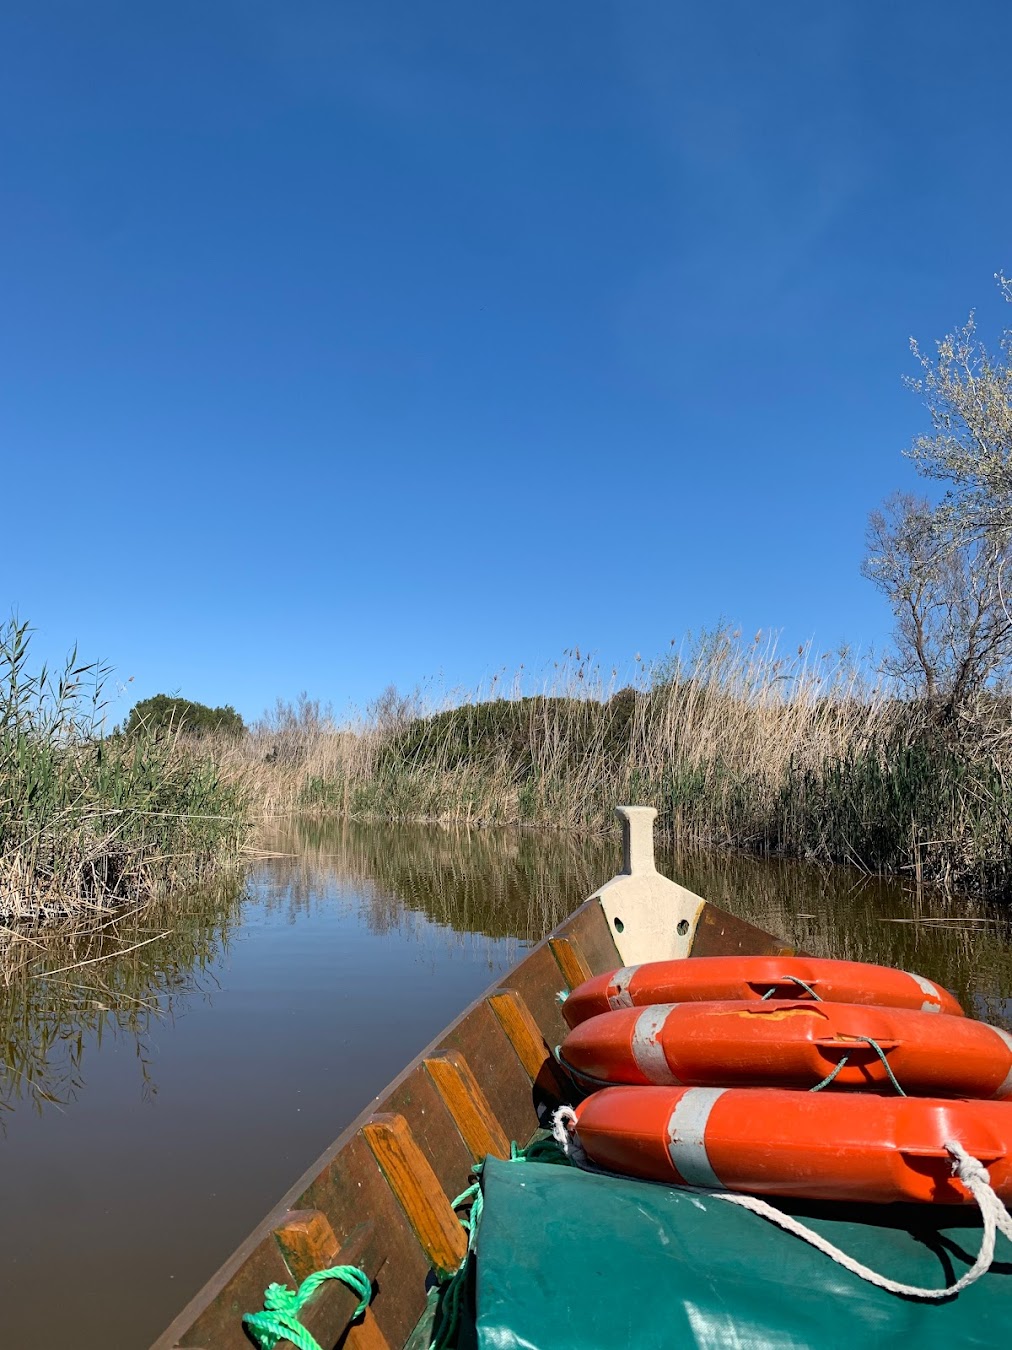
(91, 822)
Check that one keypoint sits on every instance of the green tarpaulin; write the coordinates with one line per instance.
(568, 1260)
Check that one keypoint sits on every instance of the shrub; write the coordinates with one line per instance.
(166, 712)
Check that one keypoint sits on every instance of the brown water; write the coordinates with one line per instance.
(154, 1105)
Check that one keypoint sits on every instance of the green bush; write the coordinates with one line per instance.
(166, 712)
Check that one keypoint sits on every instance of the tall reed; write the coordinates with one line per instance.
(738, 744)
(89, 821)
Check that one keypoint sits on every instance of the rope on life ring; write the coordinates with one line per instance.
(967, 1169)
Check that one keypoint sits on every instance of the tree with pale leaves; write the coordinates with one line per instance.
(953, 631)
(968, 394)
(944, 569)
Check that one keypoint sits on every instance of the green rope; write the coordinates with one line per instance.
(885, 1063)
(562, 995)
(830, 1076)
(444, 1333)
(543, 1149)
(280, 1319)
(794, 980)
(447, 1324)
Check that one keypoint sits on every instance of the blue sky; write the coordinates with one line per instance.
(347, 344)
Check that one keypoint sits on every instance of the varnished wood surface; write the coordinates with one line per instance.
(498, 1072)
(522, 1031)
(308, 1242)
(550, 1086)
(570, 961)
(436, 1133)
(467, 1104)
(328, 1314)
(721, 934)
(352, 1188)
(364, 1335)
(412, 1180)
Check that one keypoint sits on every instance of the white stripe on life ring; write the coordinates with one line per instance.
(687, 1137)
(618, 990)
(1006, 1088)
(933, 1003)
(647, 1049)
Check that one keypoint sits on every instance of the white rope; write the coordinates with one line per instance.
(967, 1169)
(564, 1134)
(974, 1177)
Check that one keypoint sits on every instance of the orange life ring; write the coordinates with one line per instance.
(752, 977)
(808, 1145)
(790, 1043)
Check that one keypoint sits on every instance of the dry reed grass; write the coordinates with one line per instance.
(740, 746)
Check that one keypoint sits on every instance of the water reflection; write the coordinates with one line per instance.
(520, 884)
(61, 998)
(840, 912)
(113, 979)
(501, 883)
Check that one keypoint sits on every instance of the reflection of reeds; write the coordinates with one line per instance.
(839, 912)
(107, 977)
(62, 995)
(739, 747)
(500, 882)
(87, 822)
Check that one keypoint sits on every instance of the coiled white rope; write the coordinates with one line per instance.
(967, 1169)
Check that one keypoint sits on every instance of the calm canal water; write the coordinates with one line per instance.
(154, 1104)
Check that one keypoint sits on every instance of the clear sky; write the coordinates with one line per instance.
(344, 344)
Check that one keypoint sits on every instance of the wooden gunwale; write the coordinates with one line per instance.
(379, 1195)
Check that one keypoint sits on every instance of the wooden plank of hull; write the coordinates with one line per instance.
(570, 961)
(351, 1188)
(364, 1335)
(219, 1324)
(496, 1068)
(589, 929)
(467, 1104)
(416, 1186)
(310, 1242)
(347, 1189)
(537, 980)
(435, 1132)
(721, 934)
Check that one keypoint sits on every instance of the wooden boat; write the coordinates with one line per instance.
(380, 1197)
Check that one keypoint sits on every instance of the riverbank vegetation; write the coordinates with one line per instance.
(90, 822)
(738, 745)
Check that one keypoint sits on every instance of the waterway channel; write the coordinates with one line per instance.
(154, 1104)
